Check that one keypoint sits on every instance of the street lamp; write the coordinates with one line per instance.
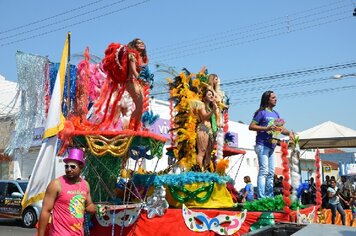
(338, 76)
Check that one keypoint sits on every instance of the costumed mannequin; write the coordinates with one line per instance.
(205, 134)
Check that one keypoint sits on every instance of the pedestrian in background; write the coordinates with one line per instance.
(248, 194)
(334, 201)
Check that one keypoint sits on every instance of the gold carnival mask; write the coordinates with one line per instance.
(117, 146)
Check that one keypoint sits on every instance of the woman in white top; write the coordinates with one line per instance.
(334, 201)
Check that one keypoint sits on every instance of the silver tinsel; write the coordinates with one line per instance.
(157, 204)
(32, 74)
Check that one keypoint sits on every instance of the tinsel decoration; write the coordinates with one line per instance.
(146, 98)
(295, 176)
(190, 178)
(122, 218)
(286, 185)
(47, 92)
(53, 70)
(270, 204)
(220, 144)
(226, 121)
(32, 73)
(265, 204)
(318, 181)
(265, 219)
(156, 204)
(81, 103)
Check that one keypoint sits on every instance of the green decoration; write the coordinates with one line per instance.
(214, 125)
(270, 204)
(156, 146)
(265, 204)
(265, 219)
(101, 174)
(191, 195)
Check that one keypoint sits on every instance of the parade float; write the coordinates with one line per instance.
(107, 113)
(191, 195)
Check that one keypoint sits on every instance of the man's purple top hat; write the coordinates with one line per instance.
(75, 154)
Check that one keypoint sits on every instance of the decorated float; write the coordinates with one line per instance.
(194, 193)
(107, 113)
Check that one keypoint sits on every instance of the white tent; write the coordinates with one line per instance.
(328, 135)
(8, 91)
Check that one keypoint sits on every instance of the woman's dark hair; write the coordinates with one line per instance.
(205, 91)
(247, 178)
(264, 100)
(143, 54)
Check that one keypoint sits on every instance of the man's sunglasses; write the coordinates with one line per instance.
(73, 167)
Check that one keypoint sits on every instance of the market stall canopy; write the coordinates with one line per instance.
(327, 135)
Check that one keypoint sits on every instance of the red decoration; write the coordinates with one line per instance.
(171, 119)
(172, 223)
(146, 97)
(318, 181)
(47, 89)
(85, 84)
(81, 103)
(226, 121)
(286, 185)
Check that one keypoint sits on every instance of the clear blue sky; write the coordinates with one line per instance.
(238, 40)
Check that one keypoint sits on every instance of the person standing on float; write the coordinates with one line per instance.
(263, 123)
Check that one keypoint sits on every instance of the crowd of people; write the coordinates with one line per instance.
(338, 196)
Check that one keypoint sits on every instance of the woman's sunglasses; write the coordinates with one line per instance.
(73, 167)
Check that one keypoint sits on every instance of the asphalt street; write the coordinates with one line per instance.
(14, 228)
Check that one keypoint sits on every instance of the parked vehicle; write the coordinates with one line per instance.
(11, 194)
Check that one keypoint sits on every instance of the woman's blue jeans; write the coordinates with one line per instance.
(265, 172)
(339, 208)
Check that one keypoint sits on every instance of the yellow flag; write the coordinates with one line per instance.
(55, 119)
(44, 169)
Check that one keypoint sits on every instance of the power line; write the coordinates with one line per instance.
(299, 94)
(224, 34)
(291, 74)
(251, 81)
(49, 18)
(64, 20)
(74, 24)
(266, 33)
(248, 90)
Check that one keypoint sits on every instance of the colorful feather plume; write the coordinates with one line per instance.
(221, 166)
(148, 118)
(229, 138)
